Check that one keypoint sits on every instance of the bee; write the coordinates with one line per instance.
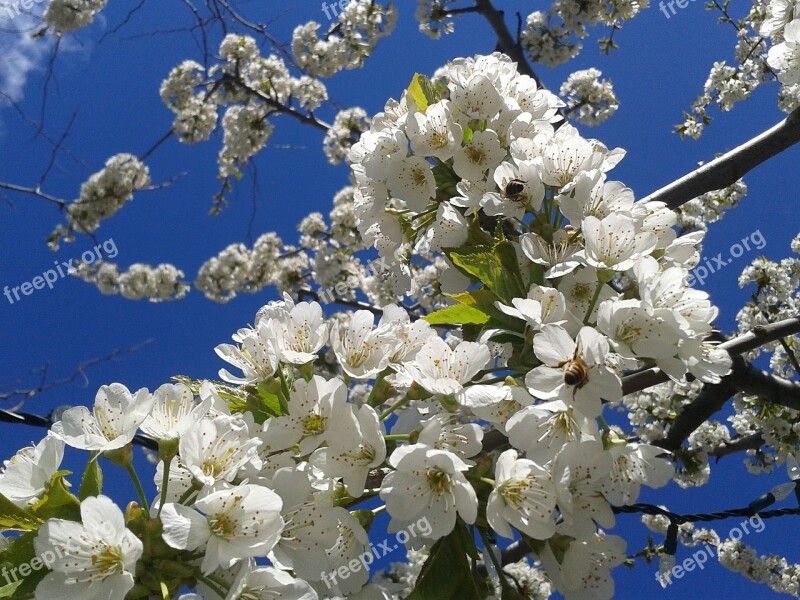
(576, 373)
(513, 189)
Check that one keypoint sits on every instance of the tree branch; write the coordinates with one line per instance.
(33, 191)
(740, 444)
(79, 373)
(305, 293)
(745, 378)
(47, 422)
(505, 41)
(641, 380)
(710, 401)
(731, 166)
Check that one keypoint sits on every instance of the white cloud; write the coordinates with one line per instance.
(22, 54)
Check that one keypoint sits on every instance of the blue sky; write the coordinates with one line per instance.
(112, 87)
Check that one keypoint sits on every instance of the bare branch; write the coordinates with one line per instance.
(80, 373)
(731, 166)
(743, 378)
(740, 444)
(51, 163)
(33, 192)
(505, 41)
(710, 401)
(790, 355)
(47, 422)
(303, 293)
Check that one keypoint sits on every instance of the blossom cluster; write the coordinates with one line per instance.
(240, 269)
(590, 100)
(782, 25)
(347, 127)
(488, 151)
(698, 213)
(552, 281)
(249, 87)
(735, 555)
(434, 18)
(102, 195)
(64, 16)
(552, 37)
(776, 296)
(767, 48)
(248, 465)
(139, 281)
(360, 25)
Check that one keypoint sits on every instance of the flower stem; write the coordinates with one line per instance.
(504, 584)
(164, 486)
(138, 485)
(592, 304)
(219, 581)
(397, 437)
(222, 592)
(186, 495)
(399, 404)
(368, 494)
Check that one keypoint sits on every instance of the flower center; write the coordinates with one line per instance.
(418, 177)
(314, 424)
(629, 334)
(439, 139)
(223, 524)
(108, 561)
(583, 292)
(513, 491)
(475, 155)
(439, 481)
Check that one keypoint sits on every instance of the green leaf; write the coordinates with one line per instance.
(512, 278)
(471, 333)
(496, 267)
(92, 480)
(22, 569)
(8, 590)
(446, 574)
(484, 300)
(458, 314)
(57, 501)
(536, 274)
(446, 179)
(476, 235)
(422, 92)
(271, 401)
(262, 400)
(14, 518)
